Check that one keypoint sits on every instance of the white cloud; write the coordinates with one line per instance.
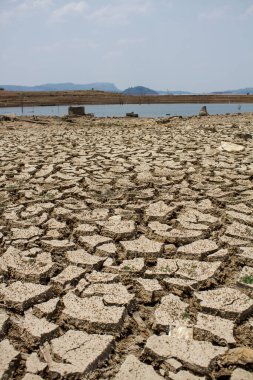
(215, 14)
(249, 11)
(110, 12)
(5, 17)
(74, 44)
(167, 4)
(125, 42)
(29, 5)
(23, 7)
(74, 7)
(121, 11)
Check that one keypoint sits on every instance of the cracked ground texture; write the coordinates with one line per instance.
(126, 248)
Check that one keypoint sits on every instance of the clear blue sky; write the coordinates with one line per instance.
(195, 45)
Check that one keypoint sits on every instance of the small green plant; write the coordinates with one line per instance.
(48, 196)
(248, 279)
(11, 188)
(165, 269)
(186, 314)
(2, 205)
(192, 269)
(126, 267)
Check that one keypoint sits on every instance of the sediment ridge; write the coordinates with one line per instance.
(17, 99)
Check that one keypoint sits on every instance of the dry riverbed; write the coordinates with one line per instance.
(126, 248)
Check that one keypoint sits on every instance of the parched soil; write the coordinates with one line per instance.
(126, 248)
(18, 99)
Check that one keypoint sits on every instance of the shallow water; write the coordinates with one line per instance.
(144, 110)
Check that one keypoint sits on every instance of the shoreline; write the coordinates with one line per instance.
(65, 98)
(141, 119)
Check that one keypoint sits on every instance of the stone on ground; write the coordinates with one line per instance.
(149, 290)
(32, 330)
(21, 296)
(82, 258)
(9, 359)
(142, 247)
(92, 315)
(231, 147)
(220, 328)
(195, 355)
(81, 352)
(198, 249)
(241, 374)
(172, 312)
(112, 294)
(132, 368)
(4, 323)
(226, 302)
(47, 309)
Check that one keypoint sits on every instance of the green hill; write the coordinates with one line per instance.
(139, 90)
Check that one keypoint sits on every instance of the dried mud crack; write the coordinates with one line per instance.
(126, 248)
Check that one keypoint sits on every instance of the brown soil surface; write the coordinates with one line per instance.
(16, 99)
(126, 248)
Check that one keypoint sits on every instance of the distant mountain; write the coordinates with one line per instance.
(110, 87)
(107, 87)
(242, 91)
(139, 90)
(174, 93)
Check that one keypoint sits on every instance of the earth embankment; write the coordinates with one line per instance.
(17, 99)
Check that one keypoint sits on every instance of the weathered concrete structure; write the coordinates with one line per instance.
(76, 111)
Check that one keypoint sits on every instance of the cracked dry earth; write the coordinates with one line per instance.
(126, 248)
